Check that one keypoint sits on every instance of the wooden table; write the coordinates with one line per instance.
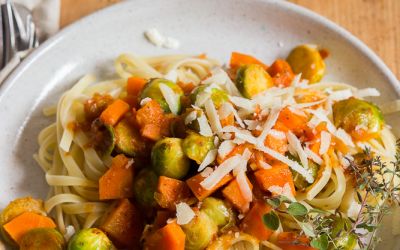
(376, 22)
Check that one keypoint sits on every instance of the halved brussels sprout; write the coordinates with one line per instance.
(307, 60)
(217, 210)
(152, 90)
(196, 146)
(17, 207)
(218, 96)
(199, 231)
(102, 137)
(42, 238)
(128, 140)
(144, 187)
(299, 181)
(252, 79)
(90, 239)
(168, 158)
(361, 119)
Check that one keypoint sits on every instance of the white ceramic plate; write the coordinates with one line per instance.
(268, 29)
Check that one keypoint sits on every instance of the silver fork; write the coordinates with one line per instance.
(19, 34)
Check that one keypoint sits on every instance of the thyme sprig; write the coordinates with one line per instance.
(377, 191)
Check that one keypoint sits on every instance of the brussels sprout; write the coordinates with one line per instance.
(128, 140)
(199, 231)
(252, 79)
(362, 119)
(307, 60)
(196, 146)
(90, 239)
(299, 181)
(168, 159)
(144, 187)
(217, 210)
(152, 90)
(218, 96)
(17, 207)
(102, 137)
(346, 242)
(42, 238)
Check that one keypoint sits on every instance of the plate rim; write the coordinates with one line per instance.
(354, 41)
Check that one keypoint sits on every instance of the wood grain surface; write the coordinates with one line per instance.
(375, 22)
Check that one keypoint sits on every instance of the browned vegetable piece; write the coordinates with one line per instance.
(95, 105)
(170, 191)
(124, 225)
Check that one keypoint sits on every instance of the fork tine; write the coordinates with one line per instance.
(8, 33)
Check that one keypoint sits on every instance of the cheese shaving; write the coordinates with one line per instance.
(205, 128)
(225, 148)
(269, 123)
(184, 213)
(244, 187)
(213, 116)
(340, 95)
(361, 93)
(170, 97)
(325, 142)
(190, 117)
(313, 156)
(216, 176)
(210, 157)
(296, 145)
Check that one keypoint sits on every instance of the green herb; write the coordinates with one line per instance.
(321, 242)
(297, 209)
(271, 220)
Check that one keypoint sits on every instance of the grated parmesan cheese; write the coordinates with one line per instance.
(184, 213)
(223, 169)
(313, 156)
(213, 116)
(325, 142)
(225, 148)
(340, 95)
(295, 143)
(210, 157)
(170, 97)
(155, 37)
(205, 128)
(145, 101)
(191, 117)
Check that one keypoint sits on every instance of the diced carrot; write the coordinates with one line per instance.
(233, 194)
(170, 191)
(170, 237)
(151, 131)
(276, 143)
(278, 175)
(202, 56)
(239, 59)
(26, 221)
(294, 122)
(281, 72)
(149, 117)
(114, 112)
(95, 105)
(291, 237)
(253, 224)
(135, 85)
(123, 224)
(200, 192)
(117, 182)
